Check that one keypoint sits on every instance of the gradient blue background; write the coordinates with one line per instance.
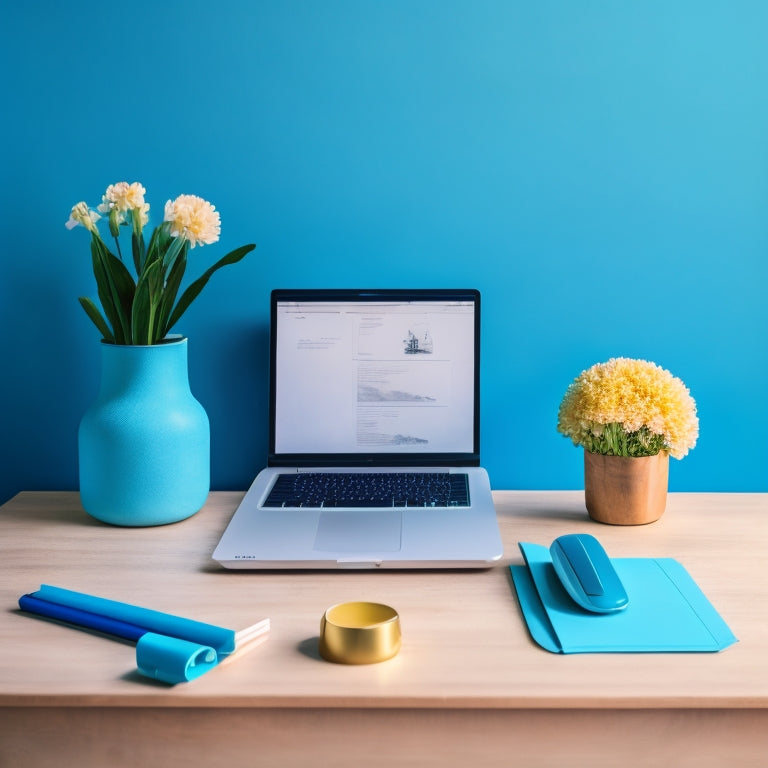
(599, 170)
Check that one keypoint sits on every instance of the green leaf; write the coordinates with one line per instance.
(176, 247)
(193, 291)
(139, 252)
(146, 300)
(105, 294)
(123, 282)
(119, 286)
(614, 440)
(152, 247)
(140, 314)
(158, 244)
(96, 317)
(172, 285)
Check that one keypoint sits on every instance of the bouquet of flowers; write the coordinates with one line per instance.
(629, 407)
(143, 310)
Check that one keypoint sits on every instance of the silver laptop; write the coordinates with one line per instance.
(374, 439)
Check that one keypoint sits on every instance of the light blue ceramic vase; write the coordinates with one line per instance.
(144, 444)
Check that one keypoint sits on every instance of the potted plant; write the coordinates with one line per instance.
(630, 416)
(144, 444)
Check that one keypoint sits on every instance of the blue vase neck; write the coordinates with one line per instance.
(160, 369)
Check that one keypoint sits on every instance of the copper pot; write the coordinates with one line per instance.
(622, 490)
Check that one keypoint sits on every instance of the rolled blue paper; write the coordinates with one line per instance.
(172, 660)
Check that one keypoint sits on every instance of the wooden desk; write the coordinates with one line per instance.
(469, 687)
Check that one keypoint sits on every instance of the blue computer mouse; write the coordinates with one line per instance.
(587, 573)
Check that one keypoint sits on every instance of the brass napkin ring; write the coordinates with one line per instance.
(359, 633)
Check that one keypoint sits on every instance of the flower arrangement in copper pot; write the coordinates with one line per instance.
(627, 407)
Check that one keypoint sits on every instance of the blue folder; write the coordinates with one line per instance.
(667, 612)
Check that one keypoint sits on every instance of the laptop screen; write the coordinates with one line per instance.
(374, 377)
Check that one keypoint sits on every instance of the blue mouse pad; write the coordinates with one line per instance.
(666, 612)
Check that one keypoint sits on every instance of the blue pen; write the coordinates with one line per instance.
(81, 618)
(223, 640)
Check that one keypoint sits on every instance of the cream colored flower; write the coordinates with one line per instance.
(123, 197)
(81, 214)
(194, 219)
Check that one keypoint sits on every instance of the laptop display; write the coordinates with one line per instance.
(365, 379)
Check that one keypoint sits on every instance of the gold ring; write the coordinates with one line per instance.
(359, 633)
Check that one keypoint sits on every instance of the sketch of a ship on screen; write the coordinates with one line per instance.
(418, 345)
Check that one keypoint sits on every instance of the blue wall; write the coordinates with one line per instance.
(599, 170)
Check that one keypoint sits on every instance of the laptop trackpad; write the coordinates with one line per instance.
(361, 531)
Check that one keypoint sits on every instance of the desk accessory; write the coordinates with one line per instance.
(586, 572)
(666, 612)
(630, 416)
(168, 648)
(144, 444)
(359, 633)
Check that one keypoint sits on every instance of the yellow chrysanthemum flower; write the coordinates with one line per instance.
(631, 408)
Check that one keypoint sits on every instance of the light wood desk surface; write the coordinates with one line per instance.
(468, 687)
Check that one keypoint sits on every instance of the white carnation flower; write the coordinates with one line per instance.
(194, 219)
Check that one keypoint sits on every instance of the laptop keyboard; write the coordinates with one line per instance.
(370, 489)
